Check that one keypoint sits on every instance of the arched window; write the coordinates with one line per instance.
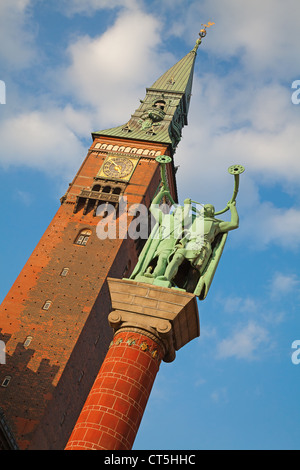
(115, 148)
(96, 187)
(117, 190)
(160, 104)
(103, 146)
(134, 150)
(109, 147)
(152, 153)
(83, 237)
(98, 145)
(106, 189)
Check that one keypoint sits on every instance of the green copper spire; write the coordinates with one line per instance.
(163, 113)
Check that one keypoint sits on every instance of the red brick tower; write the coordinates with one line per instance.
(54, 318)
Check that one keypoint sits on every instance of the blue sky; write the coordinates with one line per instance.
(77, 66)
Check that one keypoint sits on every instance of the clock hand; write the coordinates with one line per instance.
(117, 167)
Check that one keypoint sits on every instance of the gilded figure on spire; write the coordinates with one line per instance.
(202, 34)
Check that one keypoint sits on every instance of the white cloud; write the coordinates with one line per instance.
(43, 140)
(71, 7)
(267, 225)
(284, 284)
(262, 35)
(245, 342)
(111, 82)
(233, 121)
(240, 305)
(16, 36)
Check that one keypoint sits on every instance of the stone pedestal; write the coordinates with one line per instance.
(169, 314)
(151, 323)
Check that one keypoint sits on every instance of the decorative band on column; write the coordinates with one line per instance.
(156, 329)
(142, 339)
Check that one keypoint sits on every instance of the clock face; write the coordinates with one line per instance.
(117, 167)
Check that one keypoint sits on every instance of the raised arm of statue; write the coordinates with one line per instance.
(154, 208)
(234, 222)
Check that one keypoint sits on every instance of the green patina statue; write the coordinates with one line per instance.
(185, 245)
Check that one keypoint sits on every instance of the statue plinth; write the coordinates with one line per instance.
(170, 316)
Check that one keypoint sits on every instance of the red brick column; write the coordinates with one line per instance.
(114, 408)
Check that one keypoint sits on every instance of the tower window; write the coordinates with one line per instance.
(83, 237)
(117, 190)
(47, 305)
(65, 272)
(160, 104)
(27, 341)
(6, 381)
(107, 189)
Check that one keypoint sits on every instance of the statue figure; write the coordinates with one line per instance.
(184, 248)
(197, 245)
(170, 228)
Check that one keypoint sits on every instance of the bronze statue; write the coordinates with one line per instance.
(185, 246)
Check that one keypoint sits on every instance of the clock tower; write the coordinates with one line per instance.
(54, 318)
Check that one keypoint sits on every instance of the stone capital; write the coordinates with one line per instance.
(169, 316)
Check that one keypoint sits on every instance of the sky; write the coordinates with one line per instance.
(77, 66)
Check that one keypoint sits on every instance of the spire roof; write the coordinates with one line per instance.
(163, 113)
(179, 77)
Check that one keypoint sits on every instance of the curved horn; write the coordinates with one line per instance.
(234, 170)
(163, 160)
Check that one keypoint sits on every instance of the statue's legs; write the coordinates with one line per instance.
(173, 266)
(161, 263)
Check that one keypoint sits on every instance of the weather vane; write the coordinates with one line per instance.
(202, 34)
(203, 31)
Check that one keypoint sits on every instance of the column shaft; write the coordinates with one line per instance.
(114, 408)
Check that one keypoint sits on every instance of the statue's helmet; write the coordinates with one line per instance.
(209, 210)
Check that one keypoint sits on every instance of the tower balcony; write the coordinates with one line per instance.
(91, 198)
